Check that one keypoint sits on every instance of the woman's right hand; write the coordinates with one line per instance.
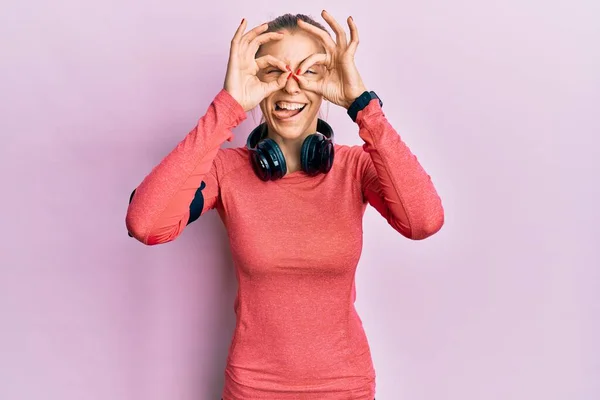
(241, 80)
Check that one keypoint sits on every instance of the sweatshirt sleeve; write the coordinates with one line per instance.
(159, 208)
(393, 181)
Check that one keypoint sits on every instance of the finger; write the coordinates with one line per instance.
(315, 59)
(239, 32)
(353, 36)
(324, 36)
(274, 86)
(248, 37)
(340, 33)
(313, 86)
(262, 39)
(269, 60)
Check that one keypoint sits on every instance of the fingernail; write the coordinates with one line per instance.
(298, 72)
(242, 21)
(287, 67)
(289, 75)
(296, 78)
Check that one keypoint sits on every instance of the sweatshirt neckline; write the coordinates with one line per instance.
(298, 177)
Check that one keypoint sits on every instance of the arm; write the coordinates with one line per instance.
(393, 181)
(171, 195)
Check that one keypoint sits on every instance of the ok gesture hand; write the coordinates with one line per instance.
(241, 81)
(340, 82)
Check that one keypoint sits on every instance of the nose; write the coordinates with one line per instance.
(291, 86)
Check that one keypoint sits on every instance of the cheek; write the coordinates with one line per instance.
(317, 102)
(264, 107)
(314, 111)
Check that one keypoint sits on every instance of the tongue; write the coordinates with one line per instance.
(283, 114)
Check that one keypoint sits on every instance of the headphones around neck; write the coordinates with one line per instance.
(268, 161)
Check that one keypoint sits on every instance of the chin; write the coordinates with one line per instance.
(288, 131)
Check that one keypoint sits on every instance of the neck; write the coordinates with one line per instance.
(291, 147)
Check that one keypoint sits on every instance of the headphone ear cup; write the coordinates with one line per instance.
(317, 154)
(272, 156)
(327, 156)
(260, 165)
(307, 155)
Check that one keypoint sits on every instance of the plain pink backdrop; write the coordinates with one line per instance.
(499, 100)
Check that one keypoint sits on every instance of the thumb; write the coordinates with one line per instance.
(274, 86)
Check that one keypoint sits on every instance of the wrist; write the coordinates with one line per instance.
(238, 99)
(355, 95)
(361, 102)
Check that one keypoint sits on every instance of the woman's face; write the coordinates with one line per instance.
(291, 112)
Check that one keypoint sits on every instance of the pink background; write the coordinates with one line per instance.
(499, 101)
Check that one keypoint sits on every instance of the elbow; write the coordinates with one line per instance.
(420, 226)
(137, 231)
(149, 240)
(136, 228)
(428, 226)
(143, 234)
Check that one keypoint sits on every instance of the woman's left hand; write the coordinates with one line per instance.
(339, 82)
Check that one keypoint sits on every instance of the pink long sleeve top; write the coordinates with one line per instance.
(296, 243)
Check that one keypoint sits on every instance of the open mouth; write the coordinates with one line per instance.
(287, 111)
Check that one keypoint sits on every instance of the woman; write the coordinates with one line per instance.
(292, 203)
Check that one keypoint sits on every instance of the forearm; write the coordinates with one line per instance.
(410, 201)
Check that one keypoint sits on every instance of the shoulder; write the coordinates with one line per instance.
(353, 158)
(230, 159)
(350, 152)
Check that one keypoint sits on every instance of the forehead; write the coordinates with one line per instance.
(293, 48)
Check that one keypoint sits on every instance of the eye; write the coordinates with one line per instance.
(310, 72)
(270, 71)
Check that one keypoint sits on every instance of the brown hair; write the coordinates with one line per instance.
(290, 22)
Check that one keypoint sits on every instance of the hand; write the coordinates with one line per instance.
(241, 81)
(340, 82)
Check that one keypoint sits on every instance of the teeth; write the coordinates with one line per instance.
(289, 106)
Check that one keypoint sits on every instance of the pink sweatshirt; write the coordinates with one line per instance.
(296, 243)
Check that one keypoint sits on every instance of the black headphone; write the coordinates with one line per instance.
(268, 161)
